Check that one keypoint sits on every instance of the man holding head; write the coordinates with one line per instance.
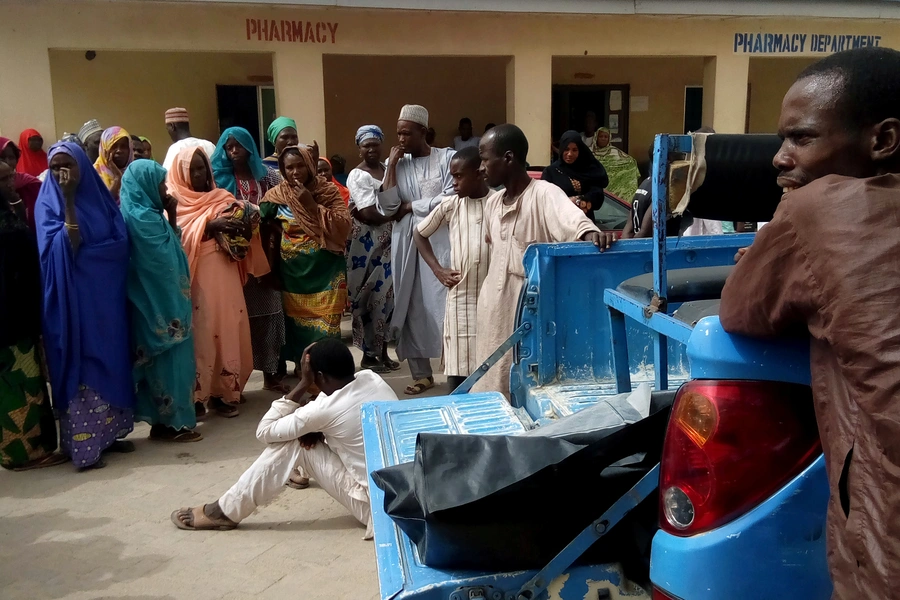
(179, 127)
(828, 264)
(417, 178)
(525, 212)
(322, 434)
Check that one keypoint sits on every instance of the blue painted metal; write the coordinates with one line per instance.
(505, 347)
(775, 551)
(537, 585)
(567, 357)
(658, 322)
(389, 433)
(716, 354)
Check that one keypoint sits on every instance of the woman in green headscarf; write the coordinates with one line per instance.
(159, 292)
(281, 134)
(621, 168)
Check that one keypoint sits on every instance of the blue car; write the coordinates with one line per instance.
(741, 482)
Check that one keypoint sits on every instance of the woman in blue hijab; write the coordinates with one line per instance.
(159, 293)
(83, 245)
(238, 168)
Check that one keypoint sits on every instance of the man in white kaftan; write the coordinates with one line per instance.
(417, 179)
(323, 435)
(179, 128)
(526, 212)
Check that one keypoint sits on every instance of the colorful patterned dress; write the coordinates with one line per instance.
(27, 428)
(314, 284)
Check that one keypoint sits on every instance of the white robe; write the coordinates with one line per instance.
(419, 298)
(541, 214)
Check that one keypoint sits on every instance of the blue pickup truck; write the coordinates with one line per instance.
(741, 483)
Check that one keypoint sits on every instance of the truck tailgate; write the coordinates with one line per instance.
(390, 430)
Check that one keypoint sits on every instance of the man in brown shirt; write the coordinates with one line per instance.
(829, 264)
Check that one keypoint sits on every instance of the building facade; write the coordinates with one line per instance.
(643, 66)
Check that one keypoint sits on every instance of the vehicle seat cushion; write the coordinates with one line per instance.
(684, 285)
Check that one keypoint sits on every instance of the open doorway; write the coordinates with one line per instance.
(249, 106)
(609, 102)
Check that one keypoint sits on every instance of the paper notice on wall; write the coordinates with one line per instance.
(640, 103)
(614, 123)
(615, 100)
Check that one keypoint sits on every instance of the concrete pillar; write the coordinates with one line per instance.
(529, 94)
(25, 83)
(725, 92)
(300, 92)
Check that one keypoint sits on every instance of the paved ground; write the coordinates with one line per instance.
(107, 534)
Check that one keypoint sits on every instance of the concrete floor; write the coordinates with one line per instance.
(107, 534)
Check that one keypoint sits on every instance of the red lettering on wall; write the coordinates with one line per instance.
(300, 32)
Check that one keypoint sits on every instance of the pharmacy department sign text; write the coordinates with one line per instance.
(800, 43)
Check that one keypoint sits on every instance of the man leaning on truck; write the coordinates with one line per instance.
(829, 264)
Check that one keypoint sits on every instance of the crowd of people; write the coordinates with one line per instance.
(149, 293)
(152, 291)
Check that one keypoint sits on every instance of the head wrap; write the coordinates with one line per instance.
(31, 162)
(345, 193)
(368, 132)
(415, 114)
(332, 235)
(161, 306)
(89, 129)
(277, 126)
(222, 167)
(96, 286)
(177, 115)
(27, 186)
(105, 167)
(143, 139)
(586, 169)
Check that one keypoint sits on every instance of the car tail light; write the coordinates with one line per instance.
(729, 446)
(658, 594)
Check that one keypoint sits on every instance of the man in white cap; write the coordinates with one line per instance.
(89, 134)
(417, 178)
(179, 127)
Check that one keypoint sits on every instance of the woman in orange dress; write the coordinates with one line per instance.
(207, 215)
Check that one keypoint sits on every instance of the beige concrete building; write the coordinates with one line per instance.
(644, 66)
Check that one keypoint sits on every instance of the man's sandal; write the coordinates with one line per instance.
(419, 386)
(200, 522)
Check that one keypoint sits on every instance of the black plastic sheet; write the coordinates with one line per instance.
(513, 502)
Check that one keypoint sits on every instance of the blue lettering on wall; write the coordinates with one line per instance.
(796, 43)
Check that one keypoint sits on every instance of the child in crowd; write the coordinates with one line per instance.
(469, 256)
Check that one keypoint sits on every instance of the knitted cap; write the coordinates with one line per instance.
(177, 115)
(415, 114)
(89, 129)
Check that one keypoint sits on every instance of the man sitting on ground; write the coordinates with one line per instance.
(296, 429)
(829, 264)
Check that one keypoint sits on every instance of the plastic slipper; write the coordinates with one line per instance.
(182, 437)
(419, 386)
(50, 460)
(201, 521)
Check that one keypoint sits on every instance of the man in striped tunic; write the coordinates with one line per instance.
(469, 257)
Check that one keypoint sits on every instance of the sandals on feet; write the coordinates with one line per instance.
(223, 409)
(47, 461)
(199, 520)
(171, 435)
(419, 386)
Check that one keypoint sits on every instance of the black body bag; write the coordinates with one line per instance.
(503, 503)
